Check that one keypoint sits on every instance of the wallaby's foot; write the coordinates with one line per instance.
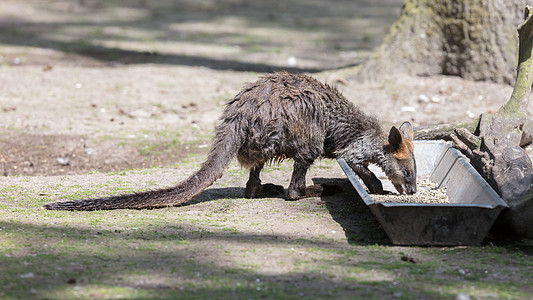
(263, 190)
(315, 190)
(254, 188)
(295, 194)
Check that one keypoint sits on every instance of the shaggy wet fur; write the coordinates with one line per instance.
(284, 116)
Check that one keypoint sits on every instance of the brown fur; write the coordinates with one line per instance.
(284, 116)
(405, 149)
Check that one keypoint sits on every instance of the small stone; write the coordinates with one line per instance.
(435, 99)
(462, 296)
(423, 98)
(291, 61)
(27, 275)
(408, 109)
(408, 259)
(64, 161)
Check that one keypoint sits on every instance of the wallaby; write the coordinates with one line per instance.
(285, 116)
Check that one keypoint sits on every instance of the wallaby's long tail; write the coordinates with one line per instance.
(225, 147)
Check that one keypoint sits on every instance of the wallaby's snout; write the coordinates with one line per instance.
(410, 185)
(411, 189)
(403, 173)
(406, 187)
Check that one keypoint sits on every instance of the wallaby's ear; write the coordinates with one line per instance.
(401, 140)
(406, 129)
(395, 138)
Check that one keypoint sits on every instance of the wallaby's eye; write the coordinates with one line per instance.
(405, 173)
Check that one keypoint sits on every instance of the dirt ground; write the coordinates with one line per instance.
(89, 87)
(96, 86)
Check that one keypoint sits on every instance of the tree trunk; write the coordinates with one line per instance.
(474, 39)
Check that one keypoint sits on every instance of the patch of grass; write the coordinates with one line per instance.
(231, 230)
(165, 144)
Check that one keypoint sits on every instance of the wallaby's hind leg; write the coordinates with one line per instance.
(297, 188)
(253, 186)
(255, 189)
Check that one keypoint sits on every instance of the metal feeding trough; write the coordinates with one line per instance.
(472, 209)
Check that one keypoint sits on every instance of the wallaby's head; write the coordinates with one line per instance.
(403, 166)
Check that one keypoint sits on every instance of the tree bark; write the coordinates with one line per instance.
(473, 39)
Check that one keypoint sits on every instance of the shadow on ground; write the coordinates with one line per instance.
(247, 34)
(164, 262)
(346, 208)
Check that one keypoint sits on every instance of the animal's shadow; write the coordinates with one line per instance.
(346, 208)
